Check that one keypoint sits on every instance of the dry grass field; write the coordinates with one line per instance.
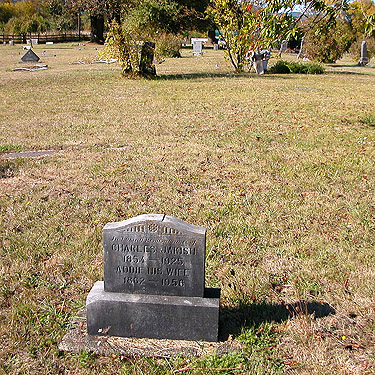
(279, 169)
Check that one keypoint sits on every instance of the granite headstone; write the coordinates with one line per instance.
(283, 46)
(146, 65)
(153, 282)
(30, 56)
(364, 54)
(301, 48)
(197, 47)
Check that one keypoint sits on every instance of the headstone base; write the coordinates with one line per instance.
(77, 340)
(153, 316)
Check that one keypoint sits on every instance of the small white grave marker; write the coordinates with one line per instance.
(197, 48)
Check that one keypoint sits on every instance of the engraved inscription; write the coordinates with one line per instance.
(177, 272)
(154, 257)
(152, 228)
(133, 259)
(154, 271)
(174, 250)
(165, 271)
(126, 248)
(134, 280)
(129, 269)
(172, 261)
(161, 264)
(173, 282)
(180, 250)
(169, 266)
(183, 242)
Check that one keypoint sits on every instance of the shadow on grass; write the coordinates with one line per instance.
(350, 73)
(167, 77)
(349, 66)
(233, 320)
(344, 65)
(358, 73)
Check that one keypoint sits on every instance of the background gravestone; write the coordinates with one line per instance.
(301, 48)
(153, 282)
(197, 47)
(283, 46)
(30, 56)
(364, 55)
(146, 65)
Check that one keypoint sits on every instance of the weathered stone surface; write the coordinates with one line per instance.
(197, 48)
(152, 316)
(30, 56)
(77, 339)
(154, 282)
(364, 54)
(28, 154)
(154, 254)
(146, 65)
(283, 46)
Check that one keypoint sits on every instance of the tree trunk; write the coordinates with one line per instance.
(97, 29)
(211, 35)
(79, 25)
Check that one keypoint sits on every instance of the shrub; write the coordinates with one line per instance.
(296, 67)
(281, 67)
(314, 68)
(284, 67)
(167, 45)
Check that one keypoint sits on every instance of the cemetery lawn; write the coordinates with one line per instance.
(279, 169)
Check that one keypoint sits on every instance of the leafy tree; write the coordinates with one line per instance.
(192, 15)
(141, 23)
(370, 25)
(327, 43)
(101, 11)
(359, 15)
(256, 24)
(61, 16)
(7, 11)
(145, 21)
(23, 17)
(96, 10)
(362, 17)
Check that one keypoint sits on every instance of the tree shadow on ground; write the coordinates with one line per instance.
(233, 320)
(347, 72)
(344, 65)
(168, 77)
(187, 76)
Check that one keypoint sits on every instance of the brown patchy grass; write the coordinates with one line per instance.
(279, 169)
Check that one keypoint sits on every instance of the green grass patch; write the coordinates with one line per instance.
(368, 120)
(10, 148)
